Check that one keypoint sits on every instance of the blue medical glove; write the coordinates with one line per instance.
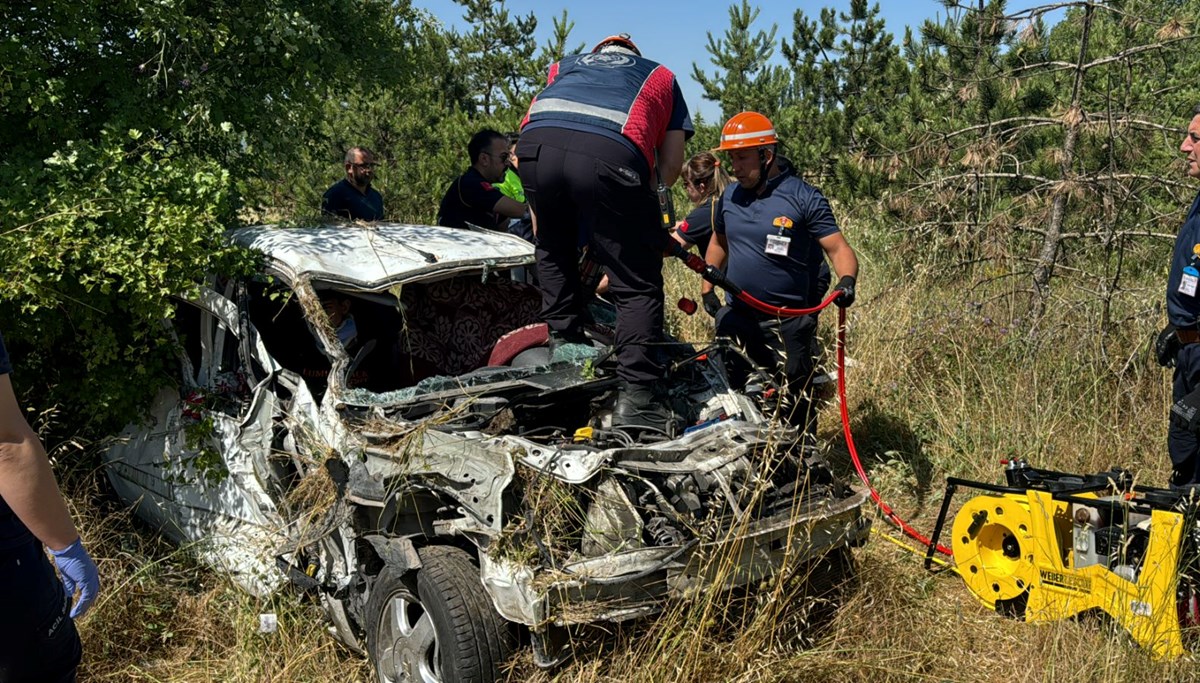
(78, 571)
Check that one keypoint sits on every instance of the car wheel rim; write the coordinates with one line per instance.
(408, 643)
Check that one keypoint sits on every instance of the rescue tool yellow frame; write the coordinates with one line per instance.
(1019, 550)
(1046, 574)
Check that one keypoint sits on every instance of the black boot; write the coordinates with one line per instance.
(637, 409)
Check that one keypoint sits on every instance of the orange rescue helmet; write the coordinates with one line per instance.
(747, 129)
(621, 39)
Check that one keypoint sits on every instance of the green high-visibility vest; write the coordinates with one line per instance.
(511, 187)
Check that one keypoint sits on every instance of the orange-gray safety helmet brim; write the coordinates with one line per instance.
(621, 39)
(745, 130)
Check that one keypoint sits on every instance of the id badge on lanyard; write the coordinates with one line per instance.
(777, 244)
(1189, 280)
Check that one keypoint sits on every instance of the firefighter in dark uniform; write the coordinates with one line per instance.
(591, 145)
(772, 232)
(38, 640)
(1179, 343)
(475, 197)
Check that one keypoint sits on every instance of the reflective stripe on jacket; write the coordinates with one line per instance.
(621, 92)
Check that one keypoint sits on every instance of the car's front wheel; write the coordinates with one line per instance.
(438, 628)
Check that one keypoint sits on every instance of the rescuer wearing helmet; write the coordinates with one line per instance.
(772, 232)
(588, 153)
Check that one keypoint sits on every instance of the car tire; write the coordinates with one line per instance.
(437, 625)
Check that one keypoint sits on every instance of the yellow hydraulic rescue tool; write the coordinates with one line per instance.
(1052, 545)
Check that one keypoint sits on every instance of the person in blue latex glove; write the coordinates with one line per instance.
(38, 640)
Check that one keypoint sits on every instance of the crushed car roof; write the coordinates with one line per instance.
(376, 256)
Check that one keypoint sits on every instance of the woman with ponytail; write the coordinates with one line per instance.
(705, 181)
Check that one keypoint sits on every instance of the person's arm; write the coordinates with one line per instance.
(670, 156)
(716, 256)
(327, 208)
(841, 255)
(28, 487)
(26, 481)
(509, 208)
(845, 264)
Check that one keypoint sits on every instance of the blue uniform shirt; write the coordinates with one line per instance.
(698, 226)
(627, 98)
(1184, 310)
(470, 199)
(746, 219)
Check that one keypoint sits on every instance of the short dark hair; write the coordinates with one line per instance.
(354, 151)
(481, 141)
(1196, 110)
(513, 138)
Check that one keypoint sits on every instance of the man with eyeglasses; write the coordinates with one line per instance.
(353, 197)
(475, 197)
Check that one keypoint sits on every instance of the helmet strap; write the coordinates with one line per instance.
(764, 167)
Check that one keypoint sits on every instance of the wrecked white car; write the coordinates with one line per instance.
(376, 419)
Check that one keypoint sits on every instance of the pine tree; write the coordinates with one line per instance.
(847, 75)
(745, 79)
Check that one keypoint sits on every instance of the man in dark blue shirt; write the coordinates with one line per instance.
(772, 232)
(353, 197)
(38, 640)
(475, 196)
(1179, 343)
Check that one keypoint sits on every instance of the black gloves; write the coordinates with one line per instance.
(846, 287)
(1185, 414)
(1166, 346)
(712, 302)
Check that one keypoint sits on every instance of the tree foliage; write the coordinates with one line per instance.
(130, 129)
(1039, 142)
(745, 79)
(847, 77)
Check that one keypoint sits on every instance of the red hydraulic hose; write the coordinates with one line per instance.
(718, 278)
(761, 307)
(862, 473)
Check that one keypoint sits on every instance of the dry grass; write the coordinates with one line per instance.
(160, 617)
(949, 381)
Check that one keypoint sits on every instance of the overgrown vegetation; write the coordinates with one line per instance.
(1010, 181)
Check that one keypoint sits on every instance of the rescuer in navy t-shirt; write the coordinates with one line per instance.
(587, 156)
(771, 234)
(475, 196)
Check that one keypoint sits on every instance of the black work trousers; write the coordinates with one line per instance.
(786, 350)
(38, 640)
(587, 188)
(1183, 445)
